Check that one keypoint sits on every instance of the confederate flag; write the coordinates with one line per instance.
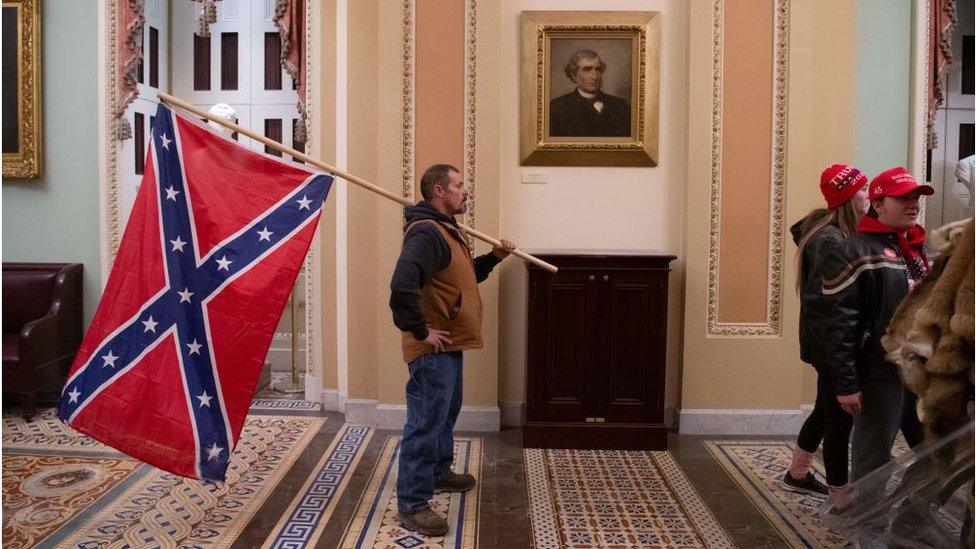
(212, 248)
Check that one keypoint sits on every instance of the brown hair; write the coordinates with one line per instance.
(844, 216)
(438, 174)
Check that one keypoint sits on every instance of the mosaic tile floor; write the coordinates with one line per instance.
(599, 498)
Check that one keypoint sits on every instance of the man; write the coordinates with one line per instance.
(864, 281)
(962, 190)
(587, 111)
(435, 302)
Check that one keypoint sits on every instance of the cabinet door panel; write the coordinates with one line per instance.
(560, 348)
(631, 381)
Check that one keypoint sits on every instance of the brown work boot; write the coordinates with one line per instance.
(424, 520)
(453, 482)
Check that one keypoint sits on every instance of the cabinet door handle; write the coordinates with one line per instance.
(606, 278)
(592, 278)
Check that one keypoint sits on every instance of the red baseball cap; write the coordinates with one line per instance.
(896, 182)
(840, 182)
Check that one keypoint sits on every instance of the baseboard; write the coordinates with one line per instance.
(741, 422)
(330, 400)
(512, 414)
(393, 416)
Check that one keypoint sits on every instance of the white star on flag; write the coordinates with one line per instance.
(264, 235)
(224, 263)
(194, 347)
(166, 141)
(109, 359)
(150, 325)
(73, 396)
(185, 295)
(171, 193)
(204, 399)
(213, 452)
(177, 244)
(303, 204)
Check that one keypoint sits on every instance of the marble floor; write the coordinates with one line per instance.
(503, 516)
(503, 505)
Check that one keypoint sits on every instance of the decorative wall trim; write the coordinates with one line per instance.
(393, 416)
(774, 292)
(470, 73)
(110, 207)
(742, 422)
(313, 329)
(920, 88)
(408, 110)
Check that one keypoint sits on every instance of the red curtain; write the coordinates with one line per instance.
(290, 20)
(131, 19)
(942, 21)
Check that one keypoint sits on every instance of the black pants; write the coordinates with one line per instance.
(831, 424)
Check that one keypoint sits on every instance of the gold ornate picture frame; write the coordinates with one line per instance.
(611, 119)
(22, 138)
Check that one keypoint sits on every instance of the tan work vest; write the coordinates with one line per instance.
(450, 300)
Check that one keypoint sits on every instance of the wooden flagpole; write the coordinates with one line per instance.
(339, 173)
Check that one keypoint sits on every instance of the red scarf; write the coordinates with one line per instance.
(911, 243)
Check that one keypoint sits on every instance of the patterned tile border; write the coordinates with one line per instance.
(597, 498)
(46, 434)
(302, 523)
(277, 405)
(757, 466)
(164, 510)
(375, 523)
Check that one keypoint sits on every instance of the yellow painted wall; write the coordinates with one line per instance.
(664, 208)
(765, 372)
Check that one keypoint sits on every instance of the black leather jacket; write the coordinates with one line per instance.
(813, 306)
(863, 281)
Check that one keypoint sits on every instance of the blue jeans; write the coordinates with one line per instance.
(427, 448)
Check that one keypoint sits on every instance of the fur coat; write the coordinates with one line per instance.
(930, 337)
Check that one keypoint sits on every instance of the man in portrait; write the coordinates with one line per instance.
(588, 111)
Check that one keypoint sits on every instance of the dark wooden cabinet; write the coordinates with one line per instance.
(597, 332)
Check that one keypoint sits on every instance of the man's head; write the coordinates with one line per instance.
(894, 197)
(585, 69)
(441, 185)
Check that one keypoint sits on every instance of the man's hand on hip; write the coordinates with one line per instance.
(850, 403)
(437, 339)
(501, 252)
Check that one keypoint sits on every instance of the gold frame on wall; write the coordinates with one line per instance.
(640, 148)
(26, 162)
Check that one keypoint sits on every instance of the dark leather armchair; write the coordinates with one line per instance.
(41, 326)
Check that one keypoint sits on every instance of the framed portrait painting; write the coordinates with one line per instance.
(21, 89)
(590, 85)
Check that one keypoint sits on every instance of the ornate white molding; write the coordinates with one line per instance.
(113, 232)
(313, 331)
(408, 109)
(774, 289)
(470, 111)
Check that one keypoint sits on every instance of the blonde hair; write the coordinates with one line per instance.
(844, 216)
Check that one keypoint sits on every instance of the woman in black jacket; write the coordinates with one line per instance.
(845, 189)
